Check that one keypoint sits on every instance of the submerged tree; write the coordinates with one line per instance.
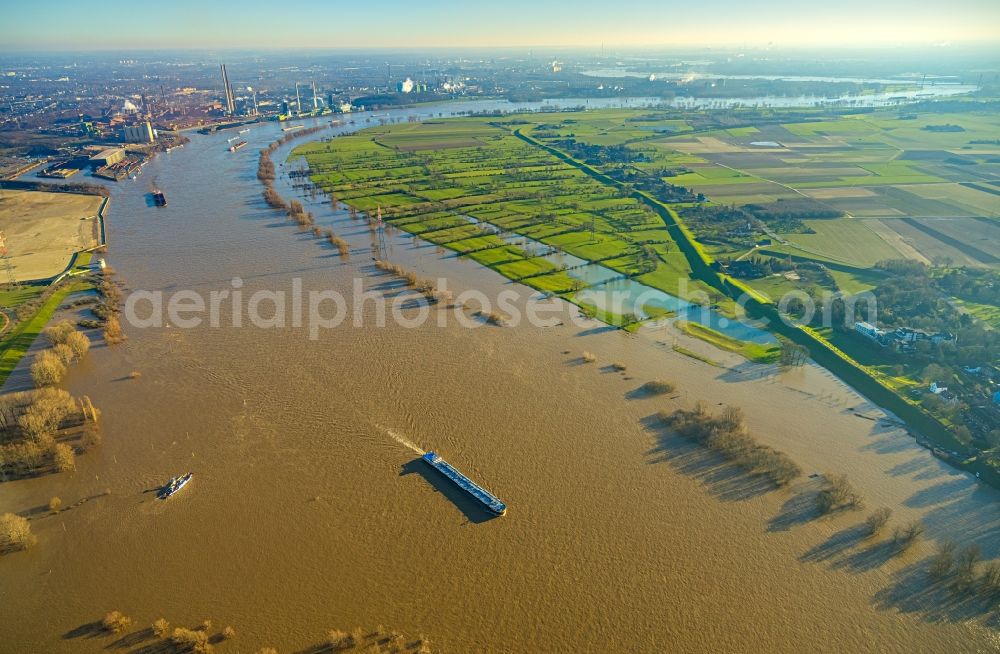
(15, 533)
(793, 354)
(116, 622)
(877, 521)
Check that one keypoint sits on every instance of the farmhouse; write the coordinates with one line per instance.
(907, 335)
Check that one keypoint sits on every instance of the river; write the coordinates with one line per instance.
(310, 511)
(917, 90)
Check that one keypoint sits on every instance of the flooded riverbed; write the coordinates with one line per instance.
(617, 294)
(309, 509)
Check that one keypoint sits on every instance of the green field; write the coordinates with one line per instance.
(428, 177)
(844, 239)
(876, 165)
(751, 351)
(15, 343)
(989, 314)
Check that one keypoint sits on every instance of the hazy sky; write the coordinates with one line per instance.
(61, 24)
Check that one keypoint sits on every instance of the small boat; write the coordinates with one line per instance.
(237, 146)
(174, 485)
(244, 131)
(230, 140)
(159, 199)
(288, 129)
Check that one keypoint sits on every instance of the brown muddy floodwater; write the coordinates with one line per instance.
(309, 509)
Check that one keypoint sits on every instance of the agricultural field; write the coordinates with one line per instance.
(848, 240)
(477, 189)
(902, 185)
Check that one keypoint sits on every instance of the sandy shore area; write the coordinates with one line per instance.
(44, 229)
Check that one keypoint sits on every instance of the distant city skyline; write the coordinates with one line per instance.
(62, 25)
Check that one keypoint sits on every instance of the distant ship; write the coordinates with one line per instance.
(288, 129)
(174, 485)
(159, 199)
(244, 131)
(230, 140)
(237, 146)
(478, 493)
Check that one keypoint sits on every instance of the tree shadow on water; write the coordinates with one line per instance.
(723, 479)
(941, 493)
(914, 465)
(591, 331)
(89, 630)
(163, 646)
(874, 555)
(473, 510)
(836, 546)
(133, 639)
(799, 508)
(914, 591)
(853, 549)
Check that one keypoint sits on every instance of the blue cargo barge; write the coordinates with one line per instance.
(481, 495)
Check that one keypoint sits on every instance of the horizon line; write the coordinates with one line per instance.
(628, 47)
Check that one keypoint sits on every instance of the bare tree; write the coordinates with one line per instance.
(64, 458)
(161, 628)
(965, 566)
(838, 494)
(943, 561)
(877, 521)
(15, 533)
(116, 622)
(48, 369)
(905, 537)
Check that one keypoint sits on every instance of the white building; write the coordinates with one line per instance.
(869, 330)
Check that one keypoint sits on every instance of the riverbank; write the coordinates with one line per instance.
(16, 343)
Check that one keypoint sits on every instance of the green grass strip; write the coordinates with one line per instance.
(751, 351)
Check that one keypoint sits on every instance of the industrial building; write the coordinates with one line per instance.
(141, 133)
(107, 157)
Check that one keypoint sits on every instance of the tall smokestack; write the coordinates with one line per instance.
(230, 102)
